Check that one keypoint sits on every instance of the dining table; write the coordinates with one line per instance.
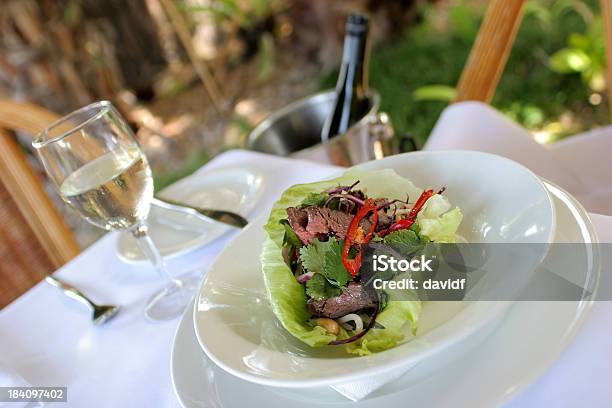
(49, 340)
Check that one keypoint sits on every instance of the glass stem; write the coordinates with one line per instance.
(148, 247)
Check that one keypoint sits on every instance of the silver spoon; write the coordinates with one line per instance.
(100, 313)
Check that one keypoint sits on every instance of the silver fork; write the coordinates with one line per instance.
(100, 313)
(226, 217)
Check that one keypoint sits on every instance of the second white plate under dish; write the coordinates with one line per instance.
(176, 233)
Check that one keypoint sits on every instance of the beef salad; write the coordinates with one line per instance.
(312, 259)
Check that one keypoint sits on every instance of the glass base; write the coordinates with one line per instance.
(172, 299)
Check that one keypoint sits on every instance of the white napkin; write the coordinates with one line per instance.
(358, 390)
(588, 154)
(476, 126)
(580, 163)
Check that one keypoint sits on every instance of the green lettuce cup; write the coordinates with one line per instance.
(287, 296)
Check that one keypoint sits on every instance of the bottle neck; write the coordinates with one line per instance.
(354, 69)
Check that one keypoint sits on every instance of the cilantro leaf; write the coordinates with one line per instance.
(405, 241)
(313, 256)
(325, 258)
(333, 267)
(316, 199)
(319, 288)
(290, 237)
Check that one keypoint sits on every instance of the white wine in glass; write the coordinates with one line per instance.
(98, 168)
(113, 191)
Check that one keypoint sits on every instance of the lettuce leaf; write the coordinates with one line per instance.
(435, 207)
(436, 222)
(290, 237)
(442, 228)
(287, 297)
(313, 198)
(393, 318)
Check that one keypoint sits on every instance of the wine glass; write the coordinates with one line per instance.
(98, 168)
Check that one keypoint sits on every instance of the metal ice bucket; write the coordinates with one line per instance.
(295, 131)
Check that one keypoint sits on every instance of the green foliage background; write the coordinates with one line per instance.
(539, 92)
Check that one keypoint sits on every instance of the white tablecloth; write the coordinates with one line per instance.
(48, 339)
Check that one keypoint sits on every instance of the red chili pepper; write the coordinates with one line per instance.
(408, 221)
(353, 237)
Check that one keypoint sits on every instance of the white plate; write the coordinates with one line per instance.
(501, 201)
(546, 327)
(175, 233)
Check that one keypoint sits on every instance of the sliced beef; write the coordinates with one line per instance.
(319, 220)
(298, 220)
(316, 222)
(384, 221)
(331, 221)
(354, 298)
(348, 207)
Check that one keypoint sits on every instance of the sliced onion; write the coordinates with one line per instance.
(361, 333)
(346, 196)
(387, 204)
(351, 317)
(305, 277)
(340, 189)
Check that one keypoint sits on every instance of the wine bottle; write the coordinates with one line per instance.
(351, 90)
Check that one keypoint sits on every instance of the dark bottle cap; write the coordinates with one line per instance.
(357, 24)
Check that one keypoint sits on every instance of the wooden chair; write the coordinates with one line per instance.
(34, 239)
